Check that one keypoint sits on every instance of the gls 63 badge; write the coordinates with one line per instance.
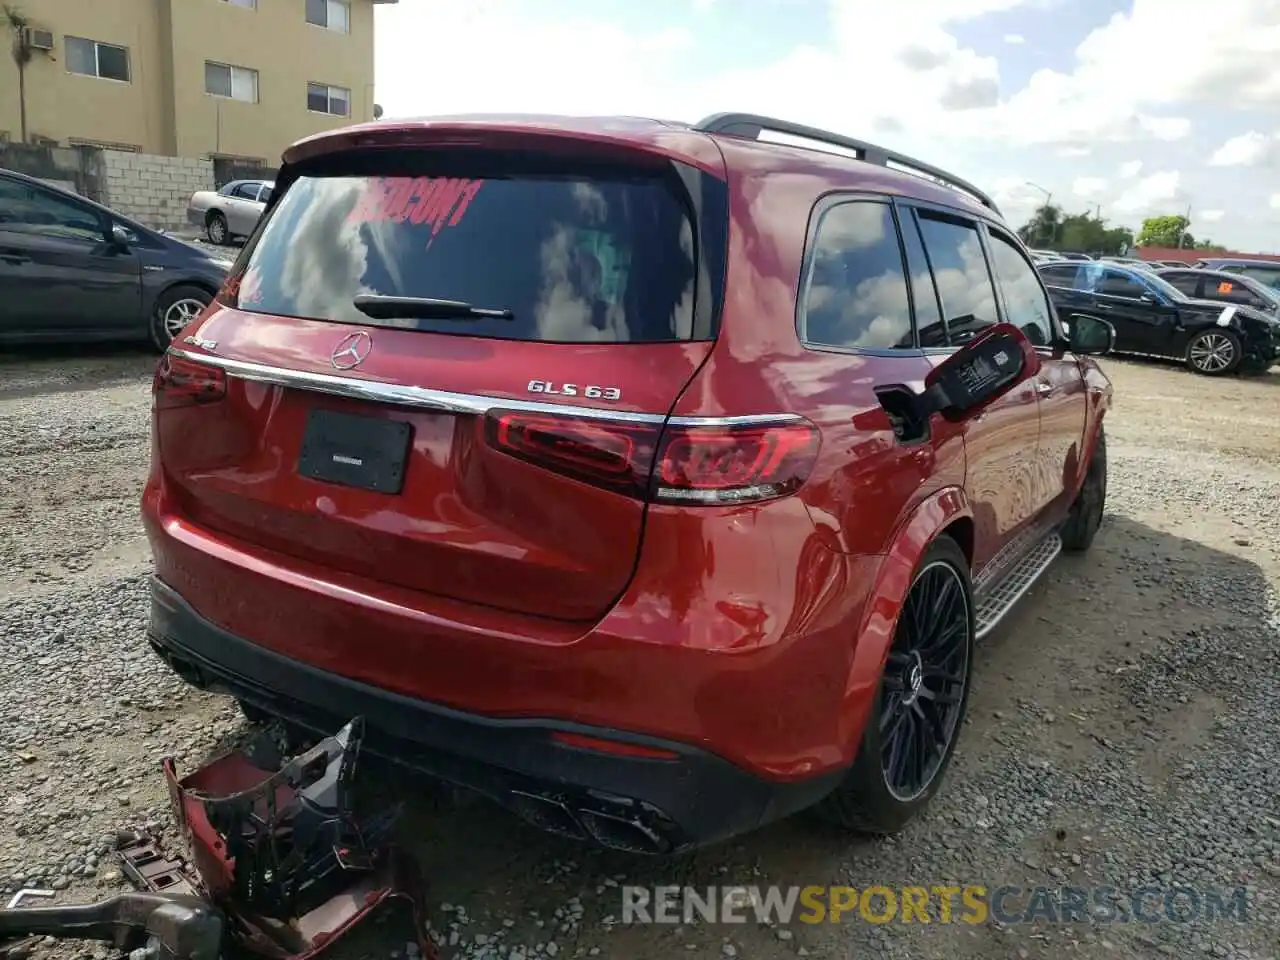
(575, 390)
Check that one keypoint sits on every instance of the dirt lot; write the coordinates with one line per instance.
(1124, 730)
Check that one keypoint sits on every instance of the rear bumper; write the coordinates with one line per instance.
(635, 803)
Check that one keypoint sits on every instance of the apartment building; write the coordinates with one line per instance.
(240, 79)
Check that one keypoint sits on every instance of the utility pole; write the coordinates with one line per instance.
(1048, 199)
(1182, 231)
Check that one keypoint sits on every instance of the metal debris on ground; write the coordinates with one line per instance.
(279, 866)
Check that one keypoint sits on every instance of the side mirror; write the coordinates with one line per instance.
(120, 236)
(1090, 336)
(985, 369)
(1149, 297)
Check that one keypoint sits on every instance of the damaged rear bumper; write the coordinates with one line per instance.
(658, 797)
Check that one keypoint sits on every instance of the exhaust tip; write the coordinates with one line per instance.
(621, 833)
(547, 814)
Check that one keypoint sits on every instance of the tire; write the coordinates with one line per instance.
(866, 800)
(176, 307)
(1215, 352)
(215, 228)
(1086, 513)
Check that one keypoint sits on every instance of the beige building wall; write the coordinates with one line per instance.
(163, 108)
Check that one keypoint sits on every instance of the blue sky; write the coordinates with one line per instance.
(1137, 107)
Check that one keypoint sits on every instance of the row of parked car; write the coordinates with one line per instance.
(1216, 321)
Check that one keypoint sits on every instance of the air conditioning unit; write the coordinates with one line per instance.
(37, 39)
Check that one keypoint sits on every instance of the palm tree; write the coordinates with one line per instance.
(21, 50)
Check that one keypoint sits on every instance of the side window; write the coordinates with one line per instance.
(933, 332)
(1025, 302)
(1189, 283)
(34, 211)
(857, 289)
(1060, 275)
(960, 271)
(1268, 275)
(1113, 283)
(246, 191)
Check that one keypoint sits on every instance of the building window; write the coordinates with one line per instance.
(93, 59)
(234, 83)
(247, 4)
(333, 15)
(322, 98)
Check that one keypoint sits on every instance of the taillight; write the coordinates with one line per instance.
(734, 464)
(179, 382)
(722, 464)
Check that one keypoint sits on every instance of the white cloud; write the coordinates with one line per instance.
(1150, 194)
(1130, 169)
(1076, 150)
(1088, 186)
(1275, 201)
(1211, 216)
(1250, 149)
(1015, 38)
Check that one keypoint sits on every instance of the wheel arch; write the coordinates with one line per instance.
(208, 214)
(947, 512)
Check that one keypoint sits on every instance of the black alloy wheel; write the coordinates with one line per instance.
(918, 711)
(925, 681)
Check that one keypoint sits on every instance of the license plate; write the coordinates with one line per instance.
(364, 452)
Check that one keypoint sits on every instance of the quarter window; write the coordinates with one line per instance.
(857, 287)
(90, 58)
(333, 15)
(322, 98)
(1025, 302)
(960, 271)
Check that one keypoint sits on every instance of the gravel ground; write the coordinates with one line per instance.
(1124, 728)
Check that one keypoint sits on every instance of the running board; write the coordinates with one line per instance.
(999, 597)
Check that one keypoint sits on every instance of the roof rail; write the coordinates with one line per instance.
(750, 126)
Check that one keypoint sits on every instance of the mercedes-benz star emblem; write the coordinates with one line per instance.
(351, 351)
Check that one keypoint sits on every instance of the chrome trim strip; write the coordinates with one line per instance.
(444, 401)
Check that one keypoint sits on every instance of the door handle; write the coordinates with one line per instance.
(1042, 388)
(1104, 306)
(15, 257)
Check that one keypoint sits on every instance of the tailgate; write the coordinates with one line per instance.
(424, 445)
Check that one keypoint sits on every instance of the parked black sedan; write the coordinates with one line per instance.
(1223, 287)
(72, 270)
(1154, 318)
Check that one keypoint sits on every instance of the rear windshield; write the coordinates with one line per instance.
(574, 259)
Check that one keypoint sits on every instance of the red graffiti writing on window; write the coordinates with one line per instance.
(438, 201)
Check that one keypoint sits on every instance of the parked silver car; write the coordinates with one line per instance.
(230, 212)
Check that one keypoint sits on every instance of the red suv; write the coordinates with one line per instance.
(620, 469)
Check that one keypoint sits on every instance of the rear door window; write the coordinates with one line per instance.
(857, 290)
(603, 257)
(961, 274)
(1114, 283)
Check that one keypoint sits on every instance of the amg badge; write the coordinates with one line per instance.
(575, 390)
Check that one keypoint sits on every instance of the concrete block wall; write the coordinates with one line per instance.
(151, 189)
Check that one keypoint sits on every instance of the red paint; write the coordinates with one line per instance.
(546, 584)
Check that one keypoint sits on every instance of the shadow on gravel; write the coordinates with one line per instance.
(61, 368)
(1118, 671)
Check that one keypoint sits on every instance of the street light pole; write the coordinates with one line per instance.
(1048, 199)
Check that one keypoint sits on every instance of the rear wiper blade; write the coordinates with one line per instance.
(424, 308)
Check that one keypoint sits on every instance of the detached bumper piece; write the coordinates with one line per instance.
(280, 868)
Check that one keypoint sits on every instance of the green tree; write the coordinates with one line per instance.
(1167, 231)
(20, 48)
(1042, 229)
